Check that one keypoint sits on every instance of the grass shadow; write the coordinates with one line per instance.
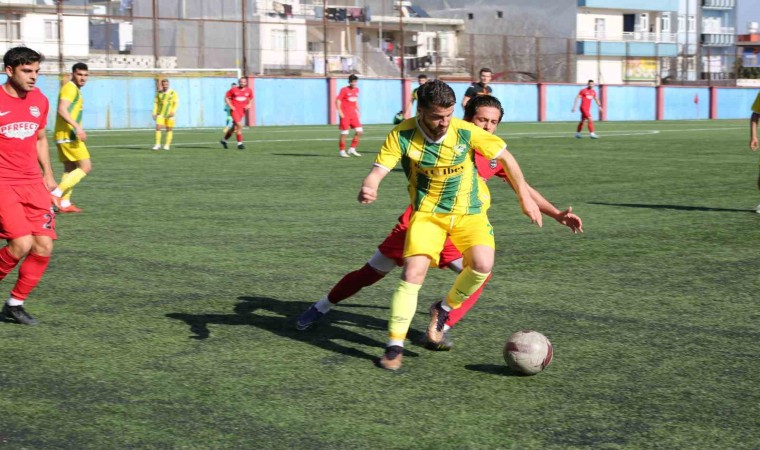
(494, 369)
(674, 207)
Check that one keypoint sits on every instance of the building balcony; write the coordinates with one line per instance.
(718, 40)
(628, 36)
(718, 4)
(635, 5)
(626, 48)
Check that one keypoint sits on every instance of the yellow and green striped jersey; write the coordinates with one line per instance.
(165, 103)
(63, 131)
(756, 104)
(442, 175)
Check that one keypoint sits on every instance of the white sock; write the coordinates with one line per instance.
(323, 305)
(446, 327)
(445, 306)
(65, 203)
(15, 302)
(57, 192)
(398, 342)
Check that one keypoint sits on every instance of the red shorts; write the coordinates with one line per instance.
(238, 114)
(585, 114)
(393, 246)
(349, 121)
(25, 210)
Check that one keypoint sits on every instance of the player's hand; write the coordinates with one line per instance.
(154, 116)
(570, 220)
(49, 180)
(170, 115)
(530, 209)
(367, 195)
(754, 144)
(81, 135)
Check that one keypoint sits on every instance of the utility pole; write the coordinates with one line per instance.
(324, 34)
(401, 27)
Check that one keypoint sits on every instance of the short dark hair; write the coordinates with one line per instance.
(485, 69)
(352, 77)
(480, 101)
(422, 76)
(436, 93)
(79, 66)
(21, 56)
(590, 81)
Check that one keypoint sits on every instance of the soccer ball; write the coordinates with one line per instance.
(528, 352)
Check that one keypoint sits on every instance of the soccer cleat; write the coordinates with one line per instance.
(353, 152)
(19, 314)
(343, 154)
(578, 135)
(166, 147)
(443, 346)
(438, 316)
(157, 147)
(757, 210)
(224, 143)
(56, 201)
(593, 136)
(241, 146)
(69, 209)
(392, 358)
(309, 318)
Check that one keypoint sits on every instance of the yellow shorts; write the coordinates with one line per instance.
(72, 151)
(427, 233)
(162, 121)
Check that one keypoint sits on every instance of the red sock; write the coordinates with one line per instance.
(455, 315)
(341, 145)
(590, 126)
(355, 141)
(353, 282)
(29, 274)
(239, 137)
(580, 126)
(7, 262)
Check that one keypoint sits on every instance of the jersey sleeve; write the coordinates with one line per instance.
(68, 92)
(487, 144)
(390, 152)
(756, 105)
(174, 103)
(470, 92)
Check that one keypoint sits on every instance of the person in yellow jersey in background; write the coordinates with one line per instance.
(164, 108)
(70, 139)
(436, 152)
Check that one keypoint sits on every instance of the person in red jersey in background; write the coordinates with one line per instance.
(585, 96)
(239, 99)
(486, 112)
(27, 221)
(754, 144)
(347, 103)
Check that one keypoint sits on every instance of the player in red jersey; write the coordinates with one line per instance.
(27, 221)
(585, 96)
(239, 99)
(486, 112)
(347, 103)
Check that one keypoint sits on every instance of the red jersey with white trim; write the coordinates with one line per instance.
(239, 97)
(587, 94)
(349, 100)
(20, 120)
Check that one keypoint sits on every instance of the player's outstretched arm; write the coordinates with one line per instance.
(517, 180)
(43, 157)
(566, 217)
(575, 102)
(370, 185)
(753, 142)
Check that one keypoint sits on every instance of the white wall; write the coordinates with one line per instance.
(588, 68)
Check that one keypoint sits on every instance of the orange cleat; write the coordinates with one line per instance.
(56, 201)
(69, 209)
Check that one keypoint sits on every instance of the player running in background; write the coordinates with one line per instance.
(436, 152)
(479, 88)
(239, 99)
(753, 140)
(228, 115)
(347, 104)
(164, 111)
(421, 79)
(486, 112)
(70, 139)
(27, 222)
(585, 96)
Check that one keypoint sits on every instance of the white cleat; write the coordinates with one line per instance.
(166, 147)
(343, 154)
(593, 136)
(578, 135)
(157, 147)
(353, 152)
(757, 210)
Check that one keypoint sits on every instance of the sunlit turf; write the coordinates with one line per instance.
(167, 313)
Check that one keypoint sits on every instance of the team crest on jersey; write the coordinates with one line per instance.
(492, 164)
(460, 148)
(34, 111)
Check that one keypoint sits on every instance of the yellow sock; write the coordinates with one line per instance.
(169, 136)
(67, 193)
(158, 138)
(403, 306)
(71, 180)
(468, 281)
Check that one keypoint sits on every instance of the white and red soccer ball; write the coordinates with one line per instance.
(528, 352)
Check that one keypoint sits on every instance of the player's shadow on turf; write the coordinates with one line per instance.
(676, 207)
(279, 318)
(494, 369)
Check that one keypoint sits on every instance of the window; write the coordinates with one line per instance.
(681, 24)
(665, 23)
(470, 16)
(51, 30)
(283, 39)
(643, 24)
(692, 23)
(499, 14)
(10, 27)
(600, 28)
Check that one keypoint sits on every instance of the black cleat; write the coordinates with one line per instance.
(18, 314)
(241, 147)
(224, 143)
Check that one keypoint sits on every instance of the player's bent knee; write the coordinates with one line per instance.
(43, 246)
(20, 246)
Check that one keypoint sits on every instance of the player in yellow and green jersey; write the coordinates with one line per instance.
(70, 139)
(436, 152)
(164, 108)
